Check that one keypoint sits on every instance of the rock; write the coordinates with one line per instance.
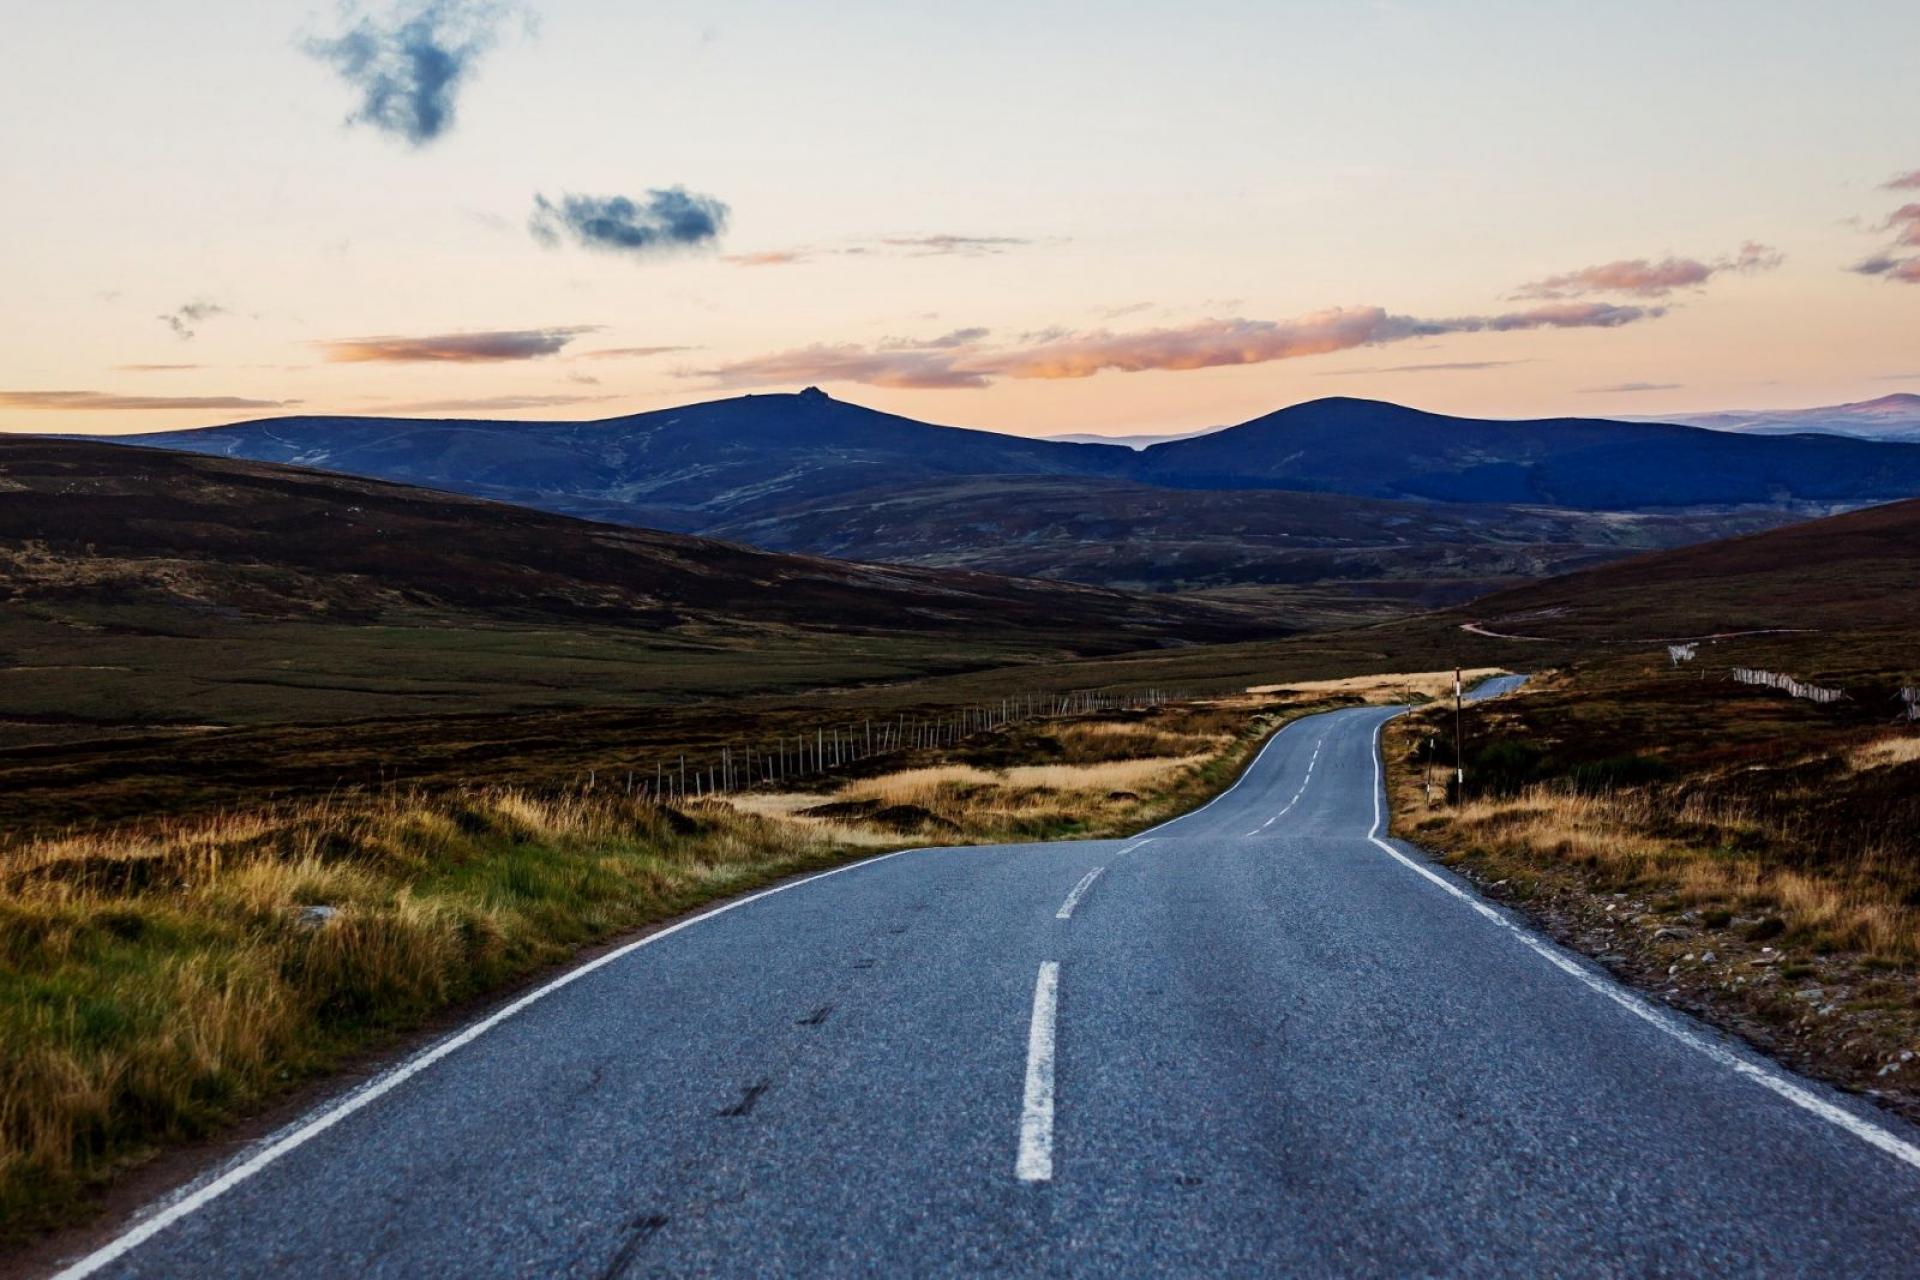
(1707, 957)
(314, 917)
(1669, 932)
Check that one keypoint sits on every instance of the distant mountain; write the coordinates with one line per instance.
(1375, 449)
(690, 468)
(807, 473)
(1895, 418)
(675, 469)
(1131, 442)
(87, 526)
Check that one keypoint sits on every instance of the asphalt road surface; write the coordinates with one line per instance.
(1254, 1041)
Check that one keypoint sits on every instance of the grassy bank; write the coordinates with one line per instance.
(1749, 858)
(159, 980)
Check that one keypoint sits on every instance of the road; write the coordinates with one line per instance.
(1255, 1040)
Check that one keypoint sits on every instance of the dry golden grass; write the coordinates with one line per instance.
(1391, 687)
(158, 980)
(155, 981)
(1615, 840)
(1901, 748)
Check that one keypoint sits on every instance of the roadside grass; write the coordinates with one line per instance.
(160, 979)
(1751, 857)
(1387, 687)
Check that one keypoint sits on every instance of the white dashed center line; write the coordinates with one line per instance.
(1315, 759)
(1079, 891)
(1035, 1161)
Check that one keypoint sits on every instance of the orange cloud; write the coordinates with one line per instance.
(454, 348)
(768, 258)
(628, 353)
(94, 401)
(1650, 279)
(1203, 345)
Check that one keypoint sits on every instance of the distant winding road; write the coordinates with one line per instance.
(1259, 1039)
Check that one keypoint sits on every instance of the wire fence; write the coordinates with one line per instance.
(828, 748)
(1788, 685)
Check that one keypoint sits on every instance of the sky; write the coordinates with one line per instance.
(1035, 217)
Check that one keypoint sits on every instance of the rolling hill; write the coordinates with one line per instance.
(1844, 575)
(144, 587)
(92, 522)
(1141, 538)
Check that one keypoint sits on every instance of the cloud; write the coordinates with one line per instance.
(106, 400)
(629, 353)
(154, 368)
(945, 342)
(1633, 386)
(487, 403)
(1648, 278)
(1443, 366)
(185, 320)
(409, 67)
(769, 258)
(901, 246)
(936, 246)
(923, 370)
(1903, 182)
(1203, 345)
(667, 219)
(1889, 267)
(453, 348)
(1905, 221)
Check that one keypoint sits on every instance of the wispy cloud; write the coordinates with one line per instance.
(1651, 278)
(945, 342)
(1620, 387)
(664, 219)
(769, 258)
(154, 368)
(488, 404)
(1892, 263)
(105, 400)
(1889, 267)
(629, 353)
(1438, 366)
(930, 246)
(942, 245)
(1203, 345)
(453, 348)
(1904, 222)
(409, 67)
(185, 319)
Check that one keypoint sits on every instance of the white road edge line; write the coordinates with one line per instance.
(1079, 891)
(305, 1131)
(1035, 1161)
(1861, 1128)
